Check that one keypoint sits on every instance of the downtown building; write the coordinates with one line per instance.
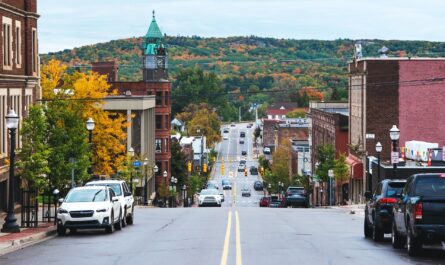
(19, 74)
(406, 92)
(155, 83)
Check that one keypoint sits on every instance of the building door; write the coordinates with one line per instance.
(345, 193)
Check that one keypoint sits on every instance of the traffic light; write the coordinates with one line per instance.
(262, 170)
(245, 172)
(204, 168)
(189, 167)
(222, 169)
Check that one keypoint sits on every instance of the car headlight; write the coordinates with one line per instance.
(101, 210)
(61, 210)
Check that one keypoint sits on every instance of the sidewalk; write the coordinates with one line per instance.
(10, 242)
(358, 209)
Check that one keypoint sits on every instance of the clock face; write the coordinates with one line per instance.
(160, 62)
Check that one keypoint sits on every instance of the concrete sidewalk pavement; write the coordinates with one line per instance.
(358, 209)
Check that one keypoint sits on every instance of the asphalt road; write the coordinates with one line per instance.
(238, 233)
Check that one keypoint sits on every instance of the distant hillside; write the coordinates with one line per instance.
(250, 63)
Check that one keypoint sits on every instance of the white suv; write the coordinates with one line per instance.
(87, 208)
(122, 191)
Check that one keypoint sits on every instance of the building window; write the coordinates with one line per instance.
(159, 165)
(159, 122)
(18, 44)
(158, 146)
(7, 43)
(158, 98)
(35, 51)
(3, 132)
(166, 145)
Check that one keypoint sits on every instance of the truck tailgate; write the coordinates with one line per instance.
(433, 210)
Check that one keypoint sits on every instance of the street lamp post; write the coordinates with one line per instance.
(145, 181)
(131, 154)
(10, 225)
(165, 174)
(184, 188)
(269, 187)
(394, 134)
(173, 182)
(90, 127)
(378, 149)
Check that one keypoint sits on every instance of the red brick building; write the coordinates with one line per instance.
(407, 92)
(19, 71)
(155, 82)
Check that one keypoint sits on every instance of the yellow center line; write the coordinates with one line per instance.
(226, 240)
(239, 260)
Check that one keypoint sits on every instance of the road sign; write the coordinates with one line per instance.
(137, 163)
(394, 157)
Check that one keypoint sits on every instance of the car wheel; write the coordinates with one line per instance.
(124, 218)
(413, 244)
(367, 229)
(110, 228)
(61, 231)
(396, 239)
(130, 218)
(377, 232)
(118, 224)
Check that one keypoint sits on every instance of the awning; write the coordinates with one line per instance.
(356, 167)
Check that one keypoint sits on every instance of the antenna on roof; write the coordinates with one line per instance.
(358, 51)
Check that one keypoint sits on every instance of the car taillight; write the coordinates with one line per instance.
(418, 211)
(387, 200)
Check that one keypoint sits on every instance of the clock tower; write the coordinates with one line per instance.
(155, 54)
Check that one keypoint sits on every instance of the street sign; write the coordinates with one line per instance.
(331, 173)
(137, 163)
(394, 157)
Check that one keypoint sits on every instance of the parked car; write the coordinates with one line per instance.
(122, 191)
(264, 201)
(226, 130)
(275, 202)
(258, 185)
(245, 191)
(209, 197)
(241, 141)
(378, 209)
(243, 152)
(225, 137)
(225, 183)
(296, 196)
(266, 150)
(89, 208)
(419, 213)
(249, 125)
(253, 170)
(241, 167)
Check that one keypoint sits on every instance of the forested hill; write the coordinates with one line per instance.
(250, 63)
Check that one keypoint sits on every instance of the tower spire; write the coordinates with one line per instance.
(153, 14)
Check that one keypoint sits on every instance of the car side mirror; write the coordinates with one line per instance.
(368, 195)
(115, 199)
(127, 193)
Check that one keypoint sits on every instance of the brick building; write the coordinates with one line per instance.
(329, 126)
(155, 82)
(407, 92)
(19, 71)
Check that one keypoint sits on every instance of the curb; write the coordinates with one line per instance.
(17, 244)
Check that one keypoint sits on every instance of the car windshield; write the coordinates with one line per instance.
(225, 181)
(209, 192)
(116, 187)
(296, 190)
(87, 195)
(394, 189)
(430, 186)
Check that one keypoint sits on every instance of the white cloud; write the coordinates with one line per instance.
(81, 22)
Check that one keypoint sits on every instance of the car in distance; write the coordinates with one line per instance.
(266, 150)
(232, 125)
(419, 213)
(258, 185)
(209, 197)
(225, 183)
(275, 202)
(249, 125)
(378, 208)
(245, 191)
(212, 185)
(296, 196)
(225, 137)
(241, 141)
(253, 170)
(264, 201)
(89, 208)
(242, 134)
(226, 130)
(241, 167)
(243, 152)
(122, 191)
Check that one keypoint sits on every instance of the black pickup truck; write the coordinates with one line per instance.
(419, 214)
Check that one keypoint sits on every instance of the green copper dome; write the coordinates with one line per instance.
(153, 31)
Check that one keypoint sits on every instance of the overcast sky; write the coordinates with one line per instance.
(73, 23)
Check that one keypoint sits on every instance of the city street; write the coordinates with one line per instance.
(238, 233)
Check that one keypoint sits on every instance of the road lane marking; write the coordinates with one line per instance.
(225, 253)
(238, 241)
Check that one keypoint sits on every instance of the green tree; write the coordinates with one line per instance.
(326, 158)
(298, 113)
(178, 163)
(280, 162)
(34, 154)
(341, 168)
(257, 133)
(194, 184)
(208, 124)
